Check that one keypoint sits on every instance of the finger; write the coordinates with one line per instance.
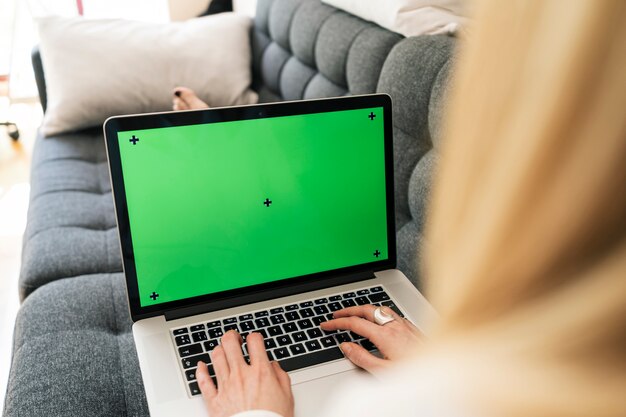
(231, 342)
(389, 312)
(356, 324)
(416, 330)
(256, 349)
(283, 377)
(220, 365)
(365, 311)
(361, 357)
(207, 388)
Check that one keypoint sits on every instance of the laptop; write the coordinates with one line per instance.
(263, 218)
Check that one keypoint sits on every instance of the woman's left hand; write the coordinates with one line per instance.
(262, 385)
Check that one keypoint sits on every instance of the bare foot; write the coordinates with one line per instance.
(185, 99)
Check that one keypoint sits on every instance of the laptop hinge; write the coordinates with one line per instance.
(265, 295)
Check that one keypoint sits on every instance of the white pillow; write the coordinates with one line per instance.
(409, 17)
(95, 69)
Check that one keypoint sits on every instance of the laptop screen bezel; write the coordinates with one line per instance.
(233, 297)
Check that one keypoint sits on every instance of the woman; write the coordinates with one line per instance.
(527, 262)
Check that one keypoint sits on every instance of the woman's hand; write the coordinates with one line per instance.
(262, 385)
(395, 340)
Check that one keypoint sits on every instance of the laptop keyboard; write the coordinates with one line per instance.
(291, 332)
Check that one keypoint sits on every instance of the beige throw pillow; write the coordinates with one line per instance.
(409, 17)
(95, 69)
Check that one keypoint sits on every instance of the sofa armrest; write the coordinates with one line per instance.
(39, 77)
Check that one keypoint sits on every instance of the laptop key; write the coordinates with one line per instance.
(379, 297)
(312, 345)
(305, 324)
(292, 315)
(376, 289)
(283, 340)
(368, 345)
(290, 327)
(278, 319)
(318, 320)
(320, 310)
(349, 295)
(361, 301)
(210, 345)
(313, 333)
(334, 306)
(299, 337)
(342, 337)
(315, 358)
(274, 331)
(194, 388)
(277, 310)
(321, 301)
(270, 356)
(192, 361)
(269, 344)
(355, 336)
(348, 303)
(334, 298)
(262, 322)
(297, 349)
(197, 327)
(306, 312)
(190, 374)
(199, 336)
(215, 333)
(393, 306)
(263, 332)
(362, 292)
(190, 350)
(178, 332)
(291, 307)
(328, 341)
(246, 326)
(306, 304)
(245, 317)
(182, 340)
(261, 314)
(230, 320)
(281, 352)
(231, 327)
(212, 324)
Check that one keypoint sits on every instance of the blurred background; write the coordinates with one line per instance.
(19, 104)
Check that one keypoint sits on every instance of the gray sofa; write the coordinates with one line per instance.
(73, 352)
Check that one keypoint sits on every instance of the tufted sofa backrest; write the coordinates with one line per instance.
(304, 49)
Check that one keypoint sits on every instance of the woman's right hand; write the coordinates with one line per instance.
(395, 340)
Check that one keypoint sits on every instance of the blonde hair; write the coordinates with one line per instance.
(527, 226)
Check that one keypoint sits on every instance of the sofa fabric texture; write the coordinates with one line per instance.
(73, 349)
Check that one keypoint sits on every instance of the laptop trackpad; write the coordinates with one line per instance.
(310, 394)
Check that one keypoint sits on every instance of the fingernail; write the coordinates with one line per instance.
(177, 93)
(345, 347)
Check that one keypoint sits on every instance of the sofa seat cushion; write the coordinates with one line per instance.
(74, 353)
(71, 227)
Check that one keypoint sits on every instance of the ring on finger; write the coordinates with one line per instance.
(381, 318)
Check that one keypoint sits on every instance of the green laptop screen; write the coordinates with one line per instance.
(226, 205)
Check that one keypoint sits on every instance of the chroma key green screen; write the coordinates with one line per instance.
(219, 206)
